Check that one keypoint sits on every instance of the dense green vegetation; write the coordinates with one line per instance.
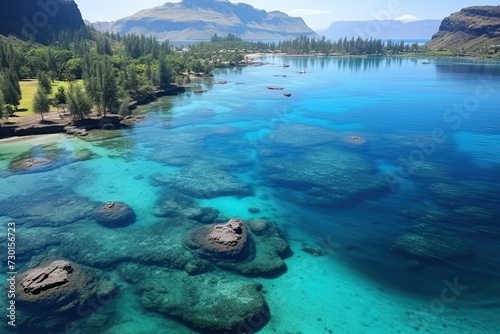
(114, 69)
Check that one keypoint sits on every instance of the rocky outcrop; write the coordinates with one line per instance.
(114, 214)
(201, 19)
(253, 248)
(227, 240)
(47, 293)
(39, 19)
(472, 29)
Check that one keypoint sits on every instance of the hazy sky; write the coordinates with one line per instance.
(318, 14)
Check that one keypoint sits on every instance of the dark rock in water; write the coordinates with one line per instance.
(430, 242)
(312, 250)
(47, 294)
(40, 211)
(114, 214)
(254, 210)
(40, 281)
(461, 194)
(326, 176)
(260, 226)
(267, 252)
(46, 157)
(32, 164)
(355, 140)
(212, 301)
(260, 256)
(174, 204)
(227, 240)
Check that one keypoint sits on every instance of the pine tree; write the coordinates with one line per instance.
(163, 72)
(79, 103)
(44, 82)
(10, 94)
(41, 103)
(60, 95)
(3, 111)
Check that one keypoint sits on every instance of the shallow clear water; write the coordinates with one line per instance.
(430, 157)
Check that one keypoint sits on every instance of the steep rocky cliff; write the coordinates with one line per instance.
(201, 19)
(38, 19)
(471, 29)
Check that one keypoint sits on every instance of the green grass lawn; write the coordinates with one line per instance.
(28, 89)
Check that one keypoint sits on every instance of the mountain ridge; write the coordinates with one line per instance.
(38, 20)
(471, 29)
(201, 19)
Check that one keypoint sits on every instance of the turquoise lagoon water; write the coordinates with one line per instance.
(427, 178)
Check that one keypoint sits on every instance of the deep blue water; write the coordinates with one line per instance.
(405, 223)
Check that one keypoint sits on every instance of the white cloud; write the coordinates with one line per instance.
(299, 12)
(407, 18)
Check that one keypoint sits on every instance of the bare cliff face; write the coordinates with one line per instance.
(38, 19)
(201, 19)
(471, 29)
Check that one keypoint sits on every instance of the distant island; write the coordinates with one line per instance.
(471, 30)
(201, 19)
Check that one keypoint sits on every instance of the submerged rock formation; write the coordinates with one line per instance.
(204, 181)
(432, 243)
(173, 204)
(114, 214)
(47, 293)
(43, 158)
(255, 248)
(32, 165)
(214, 302)
(326, 176)
(227, 240)
(471, 29)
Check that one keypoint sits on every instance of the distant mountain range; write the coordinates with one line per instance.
(390, 29)
(201, 19)
(471, 29)
(39, 20)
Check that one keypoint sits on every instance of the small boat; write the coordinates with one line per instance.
(302, 72)
(275, 88)
(286, 65)
(287, 94)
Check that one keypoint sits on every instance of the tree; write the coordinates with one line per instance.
(163, 72)
(79, 103)
(44, 82)
(60, 96)
(101, 85)
(9, 91)
(41, 103)
(3, 111)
